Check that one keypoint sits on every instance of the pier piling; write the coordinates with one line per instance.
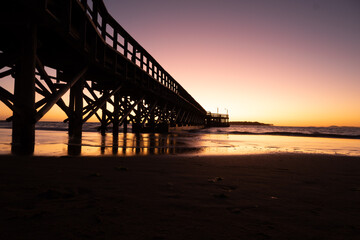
(23, 125)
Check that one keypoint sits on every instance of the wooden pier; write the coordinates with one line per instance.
(217, 120)
(73, 54)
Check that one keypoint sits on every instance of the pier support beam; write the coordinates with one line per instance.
(152, 121)
(103, 118)
(116, 115)
(75, 120)
(23, 128)
(125, 120)
(115, 123)
(136, 126)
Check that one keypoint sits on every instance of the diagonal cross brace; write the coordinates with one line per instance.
(100, 102)
(162, 114)
(8, 99)
(177, 115)
(129, 110)
(40, 67)
(6, 73)
(40, 88)
(55, 98)
(149, 113)
(45, 76)
(90, 105)
(6, 94)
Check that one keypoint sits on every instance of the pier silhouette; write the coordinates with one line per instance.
(59, 48)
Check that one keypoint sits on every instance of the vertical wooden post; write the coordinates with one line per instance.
(103, 117)
(125, 47)
(95, 12)
(68, 19)
(124, 146)
(115, 46)
(152, 69)
(23, 127)
(115, 147)
(139, 112)
(75, 120)
(152, 120)
(141, 61)
(147, 64)
(103, 27)
(115, 41)
(172, 117)
(136, 126)
(152, 144)
(116, 114)
(137, 143)
(83, 32)
(103, 144)
(125, 121)
(133, 57)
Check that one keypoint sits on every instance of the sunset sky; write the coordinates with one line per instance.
(286, 62)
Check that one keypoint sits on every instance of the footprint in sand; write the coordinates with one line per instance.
(216, 179)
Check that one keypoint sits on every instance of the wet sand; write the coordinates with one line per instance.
(272, 196)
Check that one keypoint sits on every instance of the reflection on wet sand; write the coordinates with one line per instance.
(57, 143)
(129, 144)
(74, 146)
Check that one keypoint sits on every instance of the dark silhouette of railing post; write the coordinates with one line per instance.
(23, 127)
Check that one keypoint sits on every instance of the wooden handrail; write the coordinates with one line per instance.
(131, 48)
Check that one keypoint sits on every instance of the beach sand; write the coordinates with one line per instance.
(271, 196)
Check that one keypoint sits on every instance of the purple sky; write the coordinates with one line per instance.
(284, 61)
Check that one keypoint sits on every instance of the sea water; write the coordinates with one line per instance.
(52, 140)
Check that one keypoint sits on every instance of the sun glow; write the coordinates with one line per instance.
(286, 64)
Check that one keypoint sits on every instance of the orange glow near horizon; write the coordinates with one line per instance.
(287, 63)
(292, 63)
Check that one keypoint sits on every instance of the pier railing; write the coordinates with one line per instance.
(217, 120)
(114, 35)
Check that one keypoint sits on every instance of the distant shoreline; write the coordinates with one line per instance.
(250, 123)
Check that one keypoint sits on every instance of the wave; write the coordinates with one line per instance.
(292, 132)
(320, 132)
(298, 134)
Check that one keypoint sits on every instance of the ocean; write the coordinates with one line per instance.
(52, 139)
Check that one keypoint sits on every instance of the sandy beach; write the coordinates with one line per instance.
(270, 196)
